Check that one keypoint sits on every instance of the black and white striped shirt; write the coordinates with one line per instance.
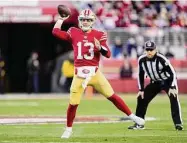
(157, 68)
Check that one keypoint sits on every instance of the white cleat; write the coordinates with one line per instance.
(67, 133)
(139, 120)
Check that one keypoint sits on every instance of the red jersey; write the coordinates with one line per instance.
(85, 51)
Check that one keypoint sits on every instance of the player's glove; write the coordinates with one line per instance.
(173, 92)
(141, 94)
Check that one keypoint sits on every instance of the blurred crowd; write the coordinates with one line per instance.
(140, 13)
(163, 21)
(133, 48)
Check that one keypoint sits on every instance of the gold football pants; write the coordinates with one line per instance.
(98, 82)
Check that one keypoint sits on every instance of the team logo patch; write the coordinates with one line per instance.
(85, 71)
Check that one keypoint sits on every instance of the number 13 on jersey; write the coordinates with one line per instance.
(90, 47)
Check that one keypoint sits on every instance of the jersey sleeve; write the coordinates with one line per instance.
(104, 46)
(63, 35)
(103, 36)
(69, 32)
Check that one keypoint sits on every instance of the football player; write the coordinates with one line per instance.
(88, 45)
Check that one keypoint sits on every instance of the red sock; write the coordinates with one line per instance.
(71, 114)
(120, 104)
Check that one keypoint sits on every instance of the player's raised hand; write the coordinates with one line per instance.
(97, 44)
(60, 21)
(63, 18)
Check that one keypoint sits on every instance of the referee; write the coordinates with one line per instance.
(162, 77)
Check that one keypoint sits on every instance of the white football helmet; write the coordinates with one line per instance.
(88, 15)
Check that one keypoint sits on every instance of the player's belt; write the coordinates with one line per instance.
(86, 72)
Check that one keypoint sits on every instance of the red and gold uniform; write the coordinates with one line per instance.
(86, 56)
(88, 45)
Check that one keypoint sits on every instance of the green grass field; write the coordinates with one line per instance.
(160, 130)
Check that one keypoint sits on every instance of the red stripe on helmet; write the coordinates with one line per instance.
(86, 12)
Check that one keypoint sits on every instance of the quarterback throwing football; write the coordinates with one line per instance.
(88, 45)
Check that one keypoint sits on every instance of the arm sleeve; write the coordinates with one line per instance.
(61, 34)
(141, 74)
(105, 51)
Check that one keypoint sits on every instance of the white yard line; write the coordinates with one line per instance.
(92, 119)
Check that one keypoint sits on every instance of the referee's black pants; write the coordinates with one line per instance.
(151, 90)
